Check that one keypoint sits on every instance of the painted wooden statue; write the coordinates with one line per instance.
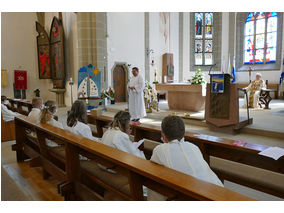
(51, 53)
(253, 91)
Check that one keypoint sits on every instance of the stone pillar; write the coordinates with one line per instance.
(92, 46)
(147, 47)
(180, 75)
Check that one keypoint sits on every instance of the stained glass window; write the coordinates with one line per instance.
(203, 38)
(198, 25)
(260, 37)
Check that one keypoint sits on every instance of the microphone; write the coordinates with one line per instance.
(211, 68)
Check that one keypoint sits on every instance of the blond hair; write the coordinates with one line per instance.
(47, 111)
(36, 102)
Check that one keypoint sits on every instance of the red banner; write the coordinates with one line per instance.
(20, 78)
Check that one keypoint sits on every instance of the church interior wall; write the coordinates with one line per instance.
(125, 42)
(158, 42)
(19, 52)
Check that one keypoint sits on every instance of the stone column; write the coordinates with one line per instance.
(92, 48)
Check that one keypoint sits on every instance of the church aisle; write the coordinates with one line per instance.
(29, 180)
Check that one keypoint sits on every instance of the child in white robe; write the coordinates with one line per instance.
(117, 136)
(46, 116)
(77, 121)
(36, 110)
(7, 114)
(180, 155)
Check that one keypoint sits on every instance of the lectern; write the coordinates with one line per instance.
(222, 105)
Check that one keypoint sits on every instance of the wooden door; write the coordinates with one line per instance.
(119, 84)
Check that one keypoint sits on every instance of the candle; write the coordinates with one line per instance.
(71, 80)
(165, 79)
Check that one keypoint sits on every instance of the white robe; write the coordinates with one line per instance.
(184, 157)
(136, 97)
(117, 139)
(83, 130)
(57, 124)
(256, 95)
(7, 114)
(35, 114)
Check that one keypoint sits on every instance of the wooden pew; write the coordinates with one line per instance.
(212, 146)
(138, 172)
(7, 130)
(17, 106)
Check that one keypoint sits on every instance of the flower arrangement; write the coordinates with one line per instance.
(150, 97)
(198, 78)
(108, 94)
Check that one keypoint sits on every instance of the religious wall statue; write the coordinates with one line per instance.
(253, 91)
(51, 53)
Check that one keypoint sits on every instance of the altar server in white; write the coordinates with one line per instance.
(77, 121)
(117, 136)
(136, 96)
(7, 114)
(37, 106)
(180, 155)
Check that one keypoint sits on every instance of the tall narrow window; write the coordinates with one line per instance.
(203, 39)
(260, 38)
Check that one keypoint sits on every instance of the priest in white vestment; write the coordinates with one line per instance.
(180, 155)
(136, 96)
(253, 92)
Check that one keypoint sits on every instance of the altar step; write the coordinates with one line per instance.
(250, 129)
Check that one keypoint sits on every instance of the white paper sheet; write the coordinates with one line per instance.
(273, 152)
(137, 144)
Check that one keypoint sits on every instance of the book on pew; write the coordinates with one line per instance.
(137, 144)
(273, 152)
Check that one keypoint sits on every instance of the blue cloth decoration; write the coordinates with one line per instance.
(89, 82)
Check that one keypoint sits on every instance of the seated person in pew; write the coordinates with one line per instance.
(117, 136)
(37, 106)
(77, 121)
(180, 155)
(46, 116)
(7, 114)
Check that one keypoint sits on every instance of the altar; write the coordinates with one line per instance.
(183, 96)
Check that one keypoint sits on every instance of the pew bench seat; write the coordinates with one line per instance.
(116, 181)
(93, 171)
(270, 182)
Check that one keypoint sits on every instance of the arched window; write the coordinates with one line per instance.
(260, 38)
(203, 54)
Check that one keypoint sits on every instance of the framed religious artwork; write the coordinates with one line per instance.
(43, 53)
